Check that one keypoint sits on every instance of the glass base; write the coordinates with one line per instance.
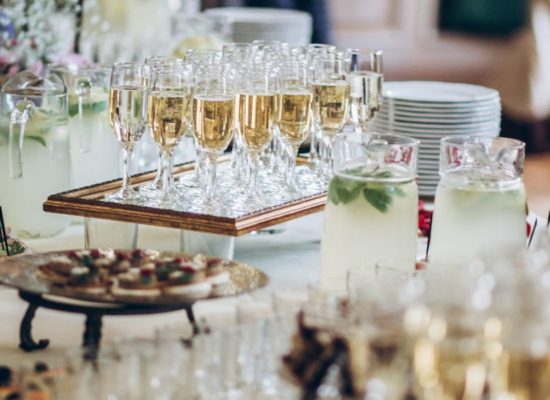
(126, 195)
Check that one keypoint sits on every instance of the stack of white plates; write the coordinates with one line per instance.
(429, 111)
(250, 24)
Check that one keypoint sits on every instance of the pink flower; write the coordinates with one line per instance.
(13, 69)
(72, 59)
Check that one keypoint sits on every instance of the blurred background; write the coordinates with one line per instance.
(504, 44)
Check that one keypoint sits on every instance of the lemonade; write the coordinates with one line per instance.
(480, 200)
(95, 154)
(46, 170)
(370, 217)
(480, 217)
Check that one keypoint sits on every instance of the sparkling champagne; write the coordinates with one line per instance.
(256, 115)
(330, 106)
(213, 121)
(167, 116)
(127, 112)
(294, 116)
(527, 376)
(366, 92)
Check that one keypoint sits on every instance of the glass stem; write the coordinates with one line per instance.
(253, 161)
(291, 154)
(127, 148)
(313, 155)
(210, 169)
(167, 160)
(199, 166)
(158, 176)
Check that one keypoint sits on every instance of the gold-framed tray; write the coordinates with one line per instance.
(280, 206)
(33, 273)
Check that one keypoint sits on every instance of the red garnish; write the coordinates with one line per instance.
(73, 254)
(95, 253)
(187, 269)
(121, 256)
(424, 219)
(138, 253)
(181, 260)
(146, 272)
(420, 265)
(529, 228)
(212, 262)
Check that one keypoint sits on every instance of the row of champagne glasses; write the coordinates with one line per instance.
(266, 97)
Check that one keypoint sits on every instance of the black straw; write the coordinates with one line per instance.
(548, 220)
(3, 234)
(429, 236)
(532, 233)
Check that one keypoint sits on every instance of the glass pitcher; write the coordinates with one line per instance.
(480, 200)
(34, 152)
(372, 208)
(95, 154)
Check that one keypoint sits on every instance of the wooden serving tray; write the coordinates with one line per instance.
(88, 202)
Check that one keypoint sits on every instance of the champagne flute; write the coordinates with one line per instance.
(167, 114)
(151, 63)
(312, 51)
(256, 111)
(365, 74)
(294, 117)
(127, 101)
(213, 117)
(330, 101)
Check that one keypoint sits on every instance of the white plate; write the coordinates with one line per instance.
(429, 133)
(437, 92)
(440, 109)
(439, 126)
(436, 119)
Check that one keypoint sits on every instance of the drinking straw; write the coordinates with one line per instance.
(3, 234)
(429, 237)
(532, 233)
(548, 220)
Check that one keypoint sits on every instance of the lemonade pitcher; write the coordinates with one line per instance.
(95, 154)
(480, 200)
(34, 152)
(372, 207)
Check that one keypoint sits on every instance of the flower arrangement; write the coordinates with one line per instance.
(36, 32)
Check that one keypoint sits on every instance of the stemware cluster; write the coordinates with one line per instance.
(265, 98)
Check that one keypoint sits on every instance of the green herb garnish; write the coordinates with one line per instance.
(379, 195)
(96, 107)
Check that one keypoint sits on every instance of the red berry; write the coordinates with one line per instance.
(121, 256)
(95, 253)
(187, 269)
(73, 254)
(138, 253)
(146, 272)
(529, 229)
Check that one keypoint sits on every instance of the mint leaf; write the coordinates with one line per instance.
(344, 190)
(99, 106)
(73, 109)
(332, 195)
(38, 139)
(379, 198)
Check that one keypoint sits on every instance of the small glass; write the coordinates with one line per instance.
(331, 92)
(480, 202)
(127, 116)
(365, 75)
(294, 117)
(105, 234)
(372, 206)
(168, 116)
(213, 118)
(256, 114)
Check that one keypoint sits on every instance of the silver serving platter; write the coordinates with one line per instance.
(22, 272)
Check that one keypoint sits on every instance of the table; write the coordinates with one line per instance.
(291, 259)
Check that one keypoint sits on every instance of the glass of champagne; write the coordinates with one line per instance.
(330, 101)
(127, 115)
(365, 75)
(256, 114)
(167, 115)
(312, 51)
(480, 202)
(213, 117)
(294, 117)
